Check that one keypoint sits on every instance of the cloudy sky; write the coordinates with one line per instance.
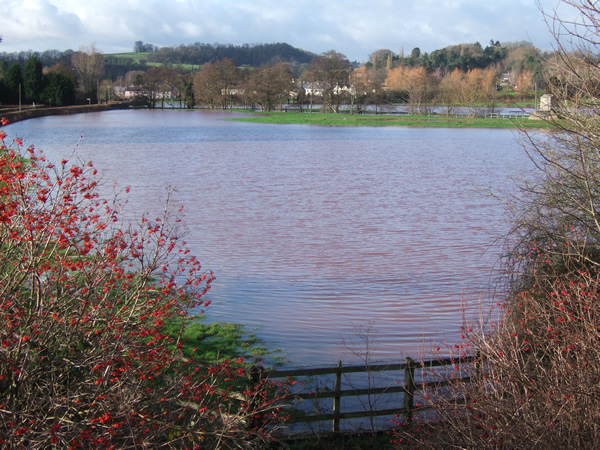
(353, 27)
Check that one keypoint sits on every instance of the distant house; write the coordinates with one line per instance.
(133, 92)
(313, 89)
(337, 90)
(507, 79)
(119, 91)
(317, 90)
(233, 91)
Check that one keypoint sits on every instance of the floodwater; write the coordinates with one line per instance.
(316, 235)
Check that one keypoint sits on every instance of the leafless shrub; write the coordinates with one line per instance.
(536, 382)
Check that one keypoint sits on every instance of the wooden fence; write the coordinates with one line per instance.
(408, 388)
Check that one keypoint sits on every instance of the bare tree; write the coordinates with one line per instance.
(359, 89)
(330, 72)
(363, 345)
(89, 65)
(152, 81)
(416, 83)
(269, 86)
(214, 84)
(561, 206)
(536, 379)
(366, 87)
(185, 85)
(168, 81)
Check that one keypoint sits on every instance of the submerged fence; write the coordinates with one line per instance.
(405, 383)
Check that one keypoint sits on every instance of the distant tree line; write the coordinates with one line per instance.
(62, 83)
(331, 81)
(118, 66)
(140, 47)
(267, 75)
(55, 87)
(517, 56)
(47, 58)
(194, 54)
(244, 55)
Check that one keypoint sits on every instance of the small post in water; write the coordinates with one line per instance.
(409, 389)
(337, 388)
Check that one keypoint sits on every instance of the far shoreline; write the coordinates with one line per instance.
(343, 119)
(13, 115)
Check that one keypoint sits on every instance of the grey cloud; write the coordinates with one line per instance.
(352, 27)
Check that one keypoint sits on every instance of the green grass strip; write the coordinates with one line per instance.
(371, 120)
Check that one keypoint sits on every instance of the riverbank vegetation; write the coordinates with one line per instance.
(222, 341)
(86, 358)
(536, 381)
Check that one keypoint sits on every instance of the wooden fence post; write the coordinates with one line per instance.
(409, 386)
(408, 389)
(337, 387)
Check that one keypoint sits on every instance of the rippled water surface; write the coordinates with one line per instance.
(315, 232)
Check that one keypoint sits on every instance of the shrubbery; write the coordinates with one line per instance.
(84, 299)
(537, 379)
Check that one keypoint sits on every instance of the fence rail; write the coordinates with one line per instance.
(409, 388)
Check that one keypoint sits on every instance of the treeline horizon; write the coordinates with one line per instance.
(464, 56)
(465, 74)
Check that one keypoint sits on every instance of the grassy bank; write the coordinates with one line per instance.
(371, 120)
(218, 341)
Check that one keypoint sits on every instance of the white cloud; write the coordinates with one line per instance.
(27, 24)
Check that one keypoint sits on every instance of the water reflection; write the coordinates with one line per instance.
(312, 230)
